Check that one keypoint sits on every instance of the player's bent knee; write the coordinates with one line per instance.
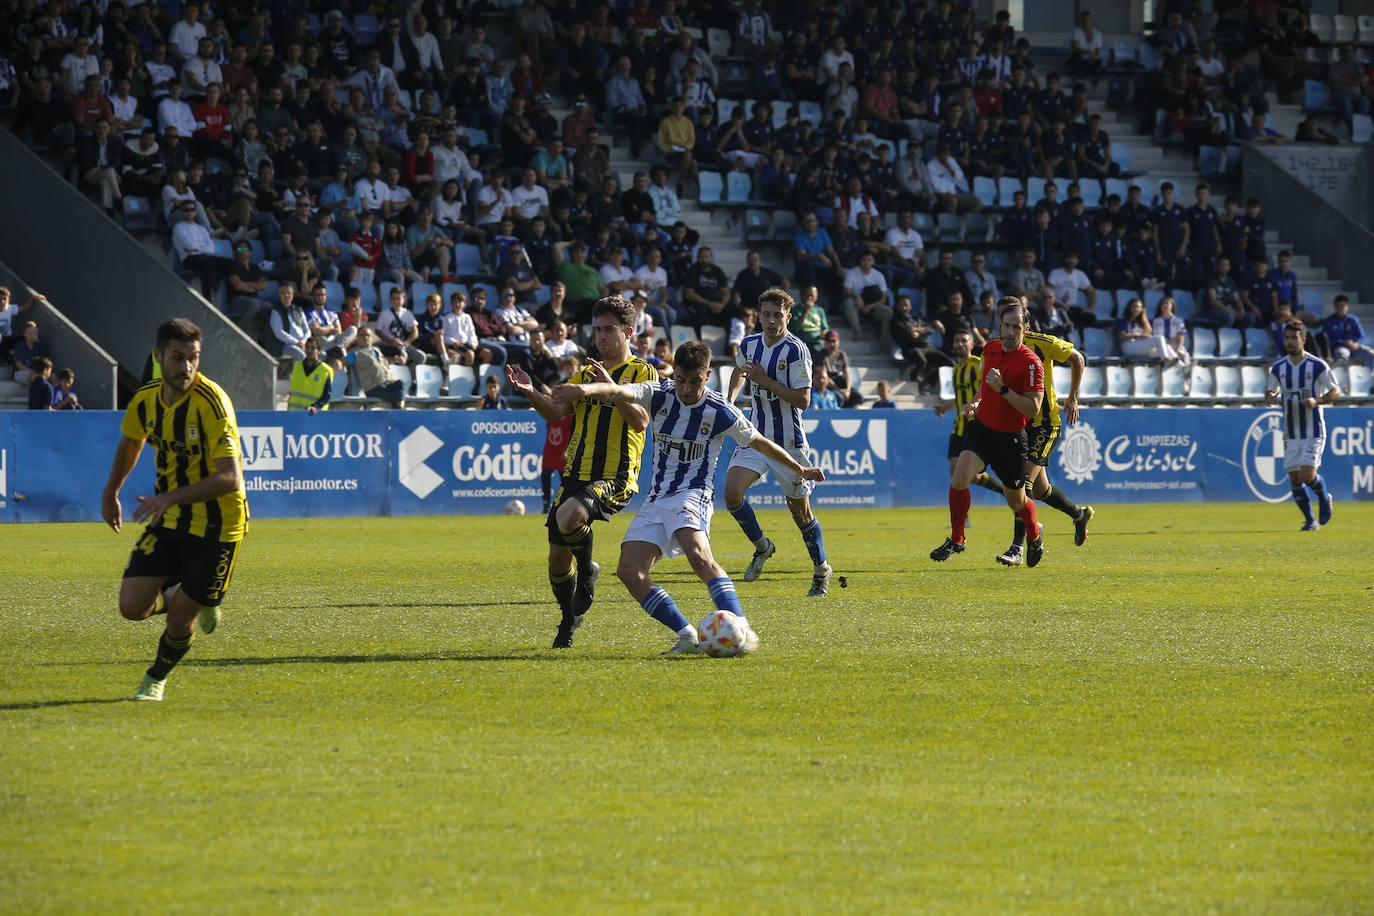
(135, 610)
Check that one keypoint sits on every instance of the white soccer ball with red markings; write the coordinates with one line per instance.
(721, 634)
(515, 507)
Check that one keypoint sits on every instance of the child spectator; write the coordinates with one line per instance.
(40, 389)
(493, 399)
(367, 250)
(822, 398)
(663, 352)
(24, 352)
(881, 393)
(64, 397)
(742, 326)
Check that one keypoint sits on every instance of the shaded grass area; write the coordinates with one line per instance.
(1174, 717)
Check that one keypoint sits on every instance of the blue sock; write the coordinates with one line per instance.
(663, 608)
(1300, 497)
(744, 514)
(1318, 486)
(815, 542)
(724, 596)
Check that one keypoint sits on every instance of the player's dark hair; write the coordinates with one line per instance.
(691, 356)
(179, 329)
(617, 307)
(1298, 326)
(1010, 302)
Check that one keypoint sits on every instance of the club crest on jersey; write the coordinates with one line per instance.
(193, 433)
(705, 430)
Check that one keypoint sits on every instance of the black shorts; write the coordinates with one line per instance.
(1005, 453)
(601, 499)
(204, 567)
(1041, 441)
(956, 445)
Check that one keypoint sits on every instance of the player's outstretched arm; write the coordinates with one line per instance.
(542, 404)
(125, 457)
(774, 452)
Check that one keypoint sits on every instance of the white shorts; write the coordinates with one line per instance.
(1300, 452)
(657, 521)
(793, 486)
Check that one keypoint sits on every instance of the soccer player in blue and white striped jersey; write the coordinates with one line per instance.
(689, 422)
(1301, 383)
(777, 366)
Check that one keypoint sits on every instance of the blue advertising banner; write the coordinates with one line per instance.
(53, 465)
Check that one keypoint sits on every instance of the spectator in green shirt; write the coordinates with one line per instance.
(583, 282)
(809, 321)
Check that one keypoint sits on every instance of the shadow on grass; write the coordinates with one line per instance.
(44, 704)
(382, 606)
(530, 655)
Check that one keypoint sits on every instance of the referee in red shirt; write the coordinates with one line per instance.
(1013, 385)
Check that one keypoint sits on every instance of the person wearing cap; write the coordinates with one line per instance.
(577, 125)
(546, 128)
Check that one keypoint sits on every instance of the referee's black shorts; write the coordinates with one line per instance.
(956, 445)
(1005, 453)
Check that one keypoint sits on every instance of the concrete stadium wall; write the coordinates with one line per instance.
(107, 283)
(472, 462)
(97, 372)
(1303, 201)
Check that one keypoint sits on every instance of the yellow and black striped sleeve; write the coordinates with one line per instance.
(967, 379)
(1051, 350)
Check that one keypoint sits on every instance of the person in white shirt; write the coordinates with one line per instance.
(78, 65)
(460, 335)
(619, 279)
(196, 249)
(451, 160)
(667, 208)
(530, 200)
(398, 198)
(1067, 281)
(493, 200)
(1085, 51)
(427, 46)
(908, 251)
(161, 74)
(186, 34)
(841, 94)
(652, 280)
(372, 191)
(948, 182)
(173, 112)
(373, 80)
(866, 296)
(200, 71)
(831, 59)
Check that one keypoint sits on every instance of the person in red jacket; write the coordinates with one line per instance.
(1012, 387)
(216, 138)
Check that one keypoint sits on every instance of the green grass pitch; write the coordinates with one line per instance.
(1174, 718)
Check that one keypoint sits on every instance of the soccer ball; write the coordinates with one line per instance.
(721, 634)
(515, 507)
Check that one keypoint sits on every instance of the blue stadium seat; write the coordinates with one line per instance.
(334, 294)
(985, 189)
(1315, 97)
(1152, 299)
(467, 260)
(1227, 383)
(1090, 389)
(1123, 52)
(1151, 58)
(1211, 162)
(725, 107)
(1145, 381)
(1007, 186)
(338, 387)
(418, 292)
(811, 111)
(1229, 343)
(1204, 344)
(1119, 187)
(711, 189)
(462, 381)
(1124, 156)
(1253, 381)
(1361, 128)
(1148, 191)
(224, 248)
(448, 290)
(946, 383)
(1360, 382)
(138, 214)
(948, 227)
(1171, 383)
(717, 42)
(1312, 301)
(784, 225)
(1091, 192)
(739, 188)
(1185, 302)
(1035, 191)
(365, 29)
(758, 225)
(1200, 383)
(976, 229)
(367, 298)
(1097, 344)
(1258, 344)
(428, 381)
(477, 138)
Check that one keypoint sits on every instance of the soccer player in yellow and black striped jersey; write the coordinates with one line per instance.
(198, 514)
(968, 375)
(604, 450)
(1043, 434)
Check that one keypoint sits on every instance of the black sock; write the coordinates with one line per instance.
(563, 589)
(985, 481)
(1058, 499)
(169, 652)
(580, 542)
(1018, 537)
(545, 482)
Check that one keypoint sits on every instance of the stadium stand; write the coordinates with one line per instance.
(357, 125)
